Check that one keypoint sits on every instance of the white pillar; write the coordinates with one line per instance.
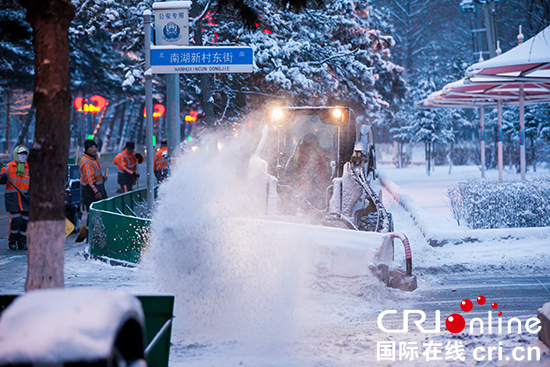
(521, 132)
(499, 139)
(482, 139)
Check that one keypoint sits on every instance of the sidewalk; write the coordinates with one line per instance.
(13, 266)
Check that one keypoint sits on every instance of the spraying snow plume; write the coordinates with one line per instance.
(239, 277)
(227, 275)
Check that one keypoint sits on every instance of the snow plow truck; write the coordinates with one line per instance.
(315, 164)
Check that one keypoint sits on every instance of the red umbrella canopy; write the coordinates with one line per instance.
(528, 61)
(464, 93)
(501, 78)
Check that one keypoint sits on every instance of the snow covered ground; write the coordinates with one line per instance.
(247, 296)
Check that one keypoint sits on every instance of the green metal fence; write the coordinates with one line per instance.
(118, 228)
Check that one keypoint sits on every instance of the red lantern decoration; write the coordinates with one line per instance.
(192, 117)
(100, 103)
(78, 104)
(83, 105)
(158, 111)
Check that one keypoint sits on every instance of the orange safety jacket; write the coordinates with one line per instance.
(14, 201)
(160, 161)
(90, 172)
(126, 162)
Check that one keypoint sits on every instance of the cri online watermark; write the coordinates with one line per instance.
(455, 323)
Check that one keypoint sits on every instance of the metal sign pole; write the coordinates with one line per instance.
(172, 55)
(149, 111)
(172, 29)
(173, 114)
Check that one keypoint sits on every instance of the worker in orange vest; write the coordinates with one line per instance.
(127, 162)
(161, 161)
(92, 183)
(92, 186)
(15, 175)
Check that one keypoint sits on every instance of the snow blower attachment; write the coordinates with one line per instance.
(313, 164)
(394, 276)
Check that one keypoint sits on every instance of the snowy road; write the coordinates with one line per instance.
(252, 308)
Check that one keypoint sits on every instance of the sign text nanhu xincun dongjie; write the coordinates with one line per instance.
(200, 60)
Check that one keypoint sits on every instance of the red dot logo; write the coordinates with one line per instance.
(466, 305)
(481, 300)
(494, 305)
(455, 323)
(500, 313)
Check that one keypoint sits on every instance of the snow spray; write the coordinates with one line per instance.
(244, 283)
(230, 277)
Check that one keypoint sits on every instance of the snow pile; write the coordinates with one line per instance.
(58, 326)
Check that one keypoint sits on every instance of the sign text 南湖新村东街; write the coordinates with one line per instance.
(197, 60)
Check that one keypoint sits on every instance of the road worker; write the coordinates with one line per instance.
(15, 175)
(92, 187)
(161, 161)
(127, 162)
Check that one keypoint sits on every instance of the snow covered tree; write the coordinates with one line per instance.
(105, 37)
(542, 114)
(431, 127)
(432, 54)
(107, 58)
(532, 15)
(16, 64)
(333, 55)
(426, 32)
(16, 56)
(412, 125)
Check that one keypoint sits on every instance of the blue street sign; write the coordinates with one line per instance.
(201, 59)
